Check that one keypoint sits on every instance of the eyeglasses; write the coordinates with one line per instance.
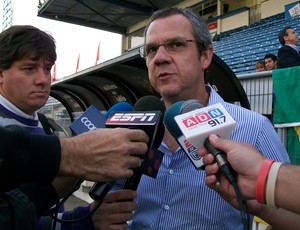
(172, 45)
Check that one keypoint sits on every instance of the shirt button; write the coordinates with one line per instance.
(166, 207)
(171, 171)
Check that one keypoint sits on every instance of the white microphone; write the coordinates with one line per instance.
(198, 124)
(190, 151)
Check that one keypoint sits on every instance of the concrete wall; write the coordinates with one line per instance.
(272, 7)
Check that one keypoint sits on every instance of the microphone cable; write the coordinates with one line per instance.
(54, 212)
(227, 171)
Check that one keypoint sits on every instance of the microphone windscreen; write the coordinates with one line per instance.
(190, 105)
(152, 103)
(169, 120)
(121, 106)
(149, 103)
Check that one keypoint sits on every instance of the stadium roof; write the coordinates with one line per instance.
(111, 15)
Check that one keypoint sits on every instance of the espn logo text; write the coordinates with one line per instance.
(133, 117)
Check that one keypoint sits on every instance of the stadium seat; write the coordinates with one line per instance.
(248, 44)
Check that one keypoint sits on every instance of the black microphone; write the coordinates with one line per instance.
(150, 103)
(147, 103)
(99, 189)
(220, 157)
(147, 115)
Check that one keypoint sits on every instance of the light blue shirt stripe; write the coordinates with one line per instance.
(179, 199)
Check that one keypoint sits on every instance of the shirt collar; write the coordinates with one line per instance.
(7, 104)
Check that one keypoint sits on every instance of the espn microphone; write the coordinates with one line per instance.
(186, 146)
(197, 122)
(147, 116)
(92, 119)
(148, 103)
(99, 189)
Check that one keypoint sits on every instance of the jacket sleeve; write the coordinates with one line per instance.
(26, 157)
(287, 57)
(17, 211)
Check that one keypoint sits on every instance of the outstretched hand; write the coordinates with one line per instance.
(245, 160)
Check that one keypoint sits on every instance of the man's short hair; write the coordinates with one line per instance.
(272, 56)
(282, 33)
(21, 41)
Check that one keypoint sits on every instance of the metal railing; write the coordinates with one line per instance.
(259, 89)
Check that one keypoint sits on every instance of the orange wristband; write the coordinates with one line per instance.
(262, 180)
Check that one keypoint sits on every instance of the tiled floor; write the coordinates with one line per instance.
(77, 199)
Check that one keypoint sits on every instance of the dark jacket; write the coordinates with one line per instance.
(26, 158)
(288, 57)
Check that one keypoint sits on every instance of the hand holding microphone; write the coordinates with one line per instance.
(244, 159)
(90, 120)
(196, 123)
(147, 116)
(99, 189)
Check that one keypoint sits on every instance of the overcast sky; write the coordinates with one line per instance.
(70, 39)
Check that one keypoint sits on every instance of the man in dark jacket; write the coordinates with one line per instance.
(27, 55)
(288, 54)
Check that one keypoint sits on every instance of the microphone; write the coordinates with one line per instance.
(146, 115)
(190, 151)
(92, 119)
(149, 103)
(120, 106)
(99, 189)
(197, 122)
(154, 156)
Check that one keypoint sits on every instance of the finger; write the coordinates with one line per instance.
(137, 148)
(210, 181)
(120, 195)
(110, 226)
(212, 169)
(133, 162)
(220, 143)
(202, 152)
(119, 226)
(118, 208)
(138, 135)
(208, 159)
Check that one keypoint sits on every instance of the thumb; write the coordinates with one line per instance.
(219, 143)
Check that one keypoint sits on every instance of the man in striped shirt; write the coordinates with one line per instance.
(178, 50)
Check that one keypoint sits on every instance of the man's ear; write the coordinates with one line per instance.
(206, 57)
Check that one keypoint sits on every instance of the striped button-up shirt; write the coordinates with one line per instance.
(179, 199)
